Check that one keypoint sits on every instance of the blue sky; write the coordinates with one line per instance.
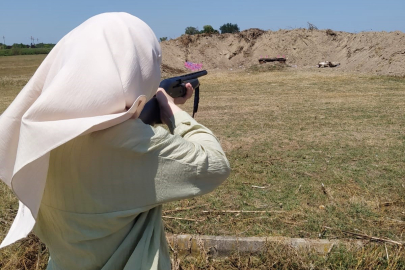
(50, 20)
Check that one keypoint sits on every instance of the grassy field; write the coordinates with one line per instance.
(314, 154)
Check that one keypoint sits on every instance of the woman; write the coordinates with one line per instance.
(89, 174)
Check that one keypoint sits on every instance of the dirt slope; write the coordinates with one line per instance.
(369, 52)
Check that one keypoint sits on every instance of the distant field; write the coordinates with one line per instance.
(321, 152)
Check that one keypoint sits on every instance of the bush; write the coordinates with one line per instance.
(44, 45)
(5, 52)
(229, 28)
(208, 29)
(311, 26)
(16, 45)
(192, 30)
(163, 39)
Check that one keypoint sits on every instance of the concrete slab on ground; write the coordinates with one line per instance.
(225, 245)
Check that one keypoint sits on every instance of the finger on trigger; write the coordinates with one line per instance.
(189, 92)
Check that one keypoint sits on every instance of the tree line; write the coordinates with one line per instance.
(208, 29)
(24, 49)
(21, 45)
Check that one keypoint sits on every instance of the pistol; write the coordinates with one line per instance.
(175, 87)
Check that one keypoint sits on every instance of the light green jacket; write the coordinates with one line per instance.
(101, 207)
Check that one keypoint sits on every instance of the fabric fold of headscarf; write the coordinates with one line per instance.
(99, 75)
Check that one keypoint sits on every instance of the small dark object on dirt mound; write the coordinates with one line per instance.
(329, 32)
(274, 59)
(334, 64)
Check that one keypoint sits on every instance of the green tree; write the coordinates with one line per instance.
(16, 45)
(192, 30)
(229, 28)
(163, 39)
(208, 29)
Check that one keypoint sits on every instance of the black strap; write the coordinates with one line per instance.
(196, 100)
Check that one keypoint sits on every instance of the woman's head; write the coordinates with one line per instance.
(107, 63)
(125, 42)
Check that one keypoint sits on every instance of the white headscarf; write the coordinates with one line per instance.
(99, 75)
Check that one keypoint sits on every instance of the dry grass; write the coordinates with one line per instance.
(293, 131)
(289, 132)
(15, 71)
(28, 253)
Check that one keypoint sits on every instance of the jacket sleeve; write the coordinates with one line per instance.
(191, 160)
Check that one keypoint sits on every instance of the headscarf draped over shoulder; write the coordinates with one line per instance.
(97, 76)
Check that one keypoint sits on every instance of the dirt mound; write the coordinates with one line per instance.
(369, 52)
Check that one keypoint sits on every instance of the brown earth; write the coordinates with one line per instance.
(366, 52)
